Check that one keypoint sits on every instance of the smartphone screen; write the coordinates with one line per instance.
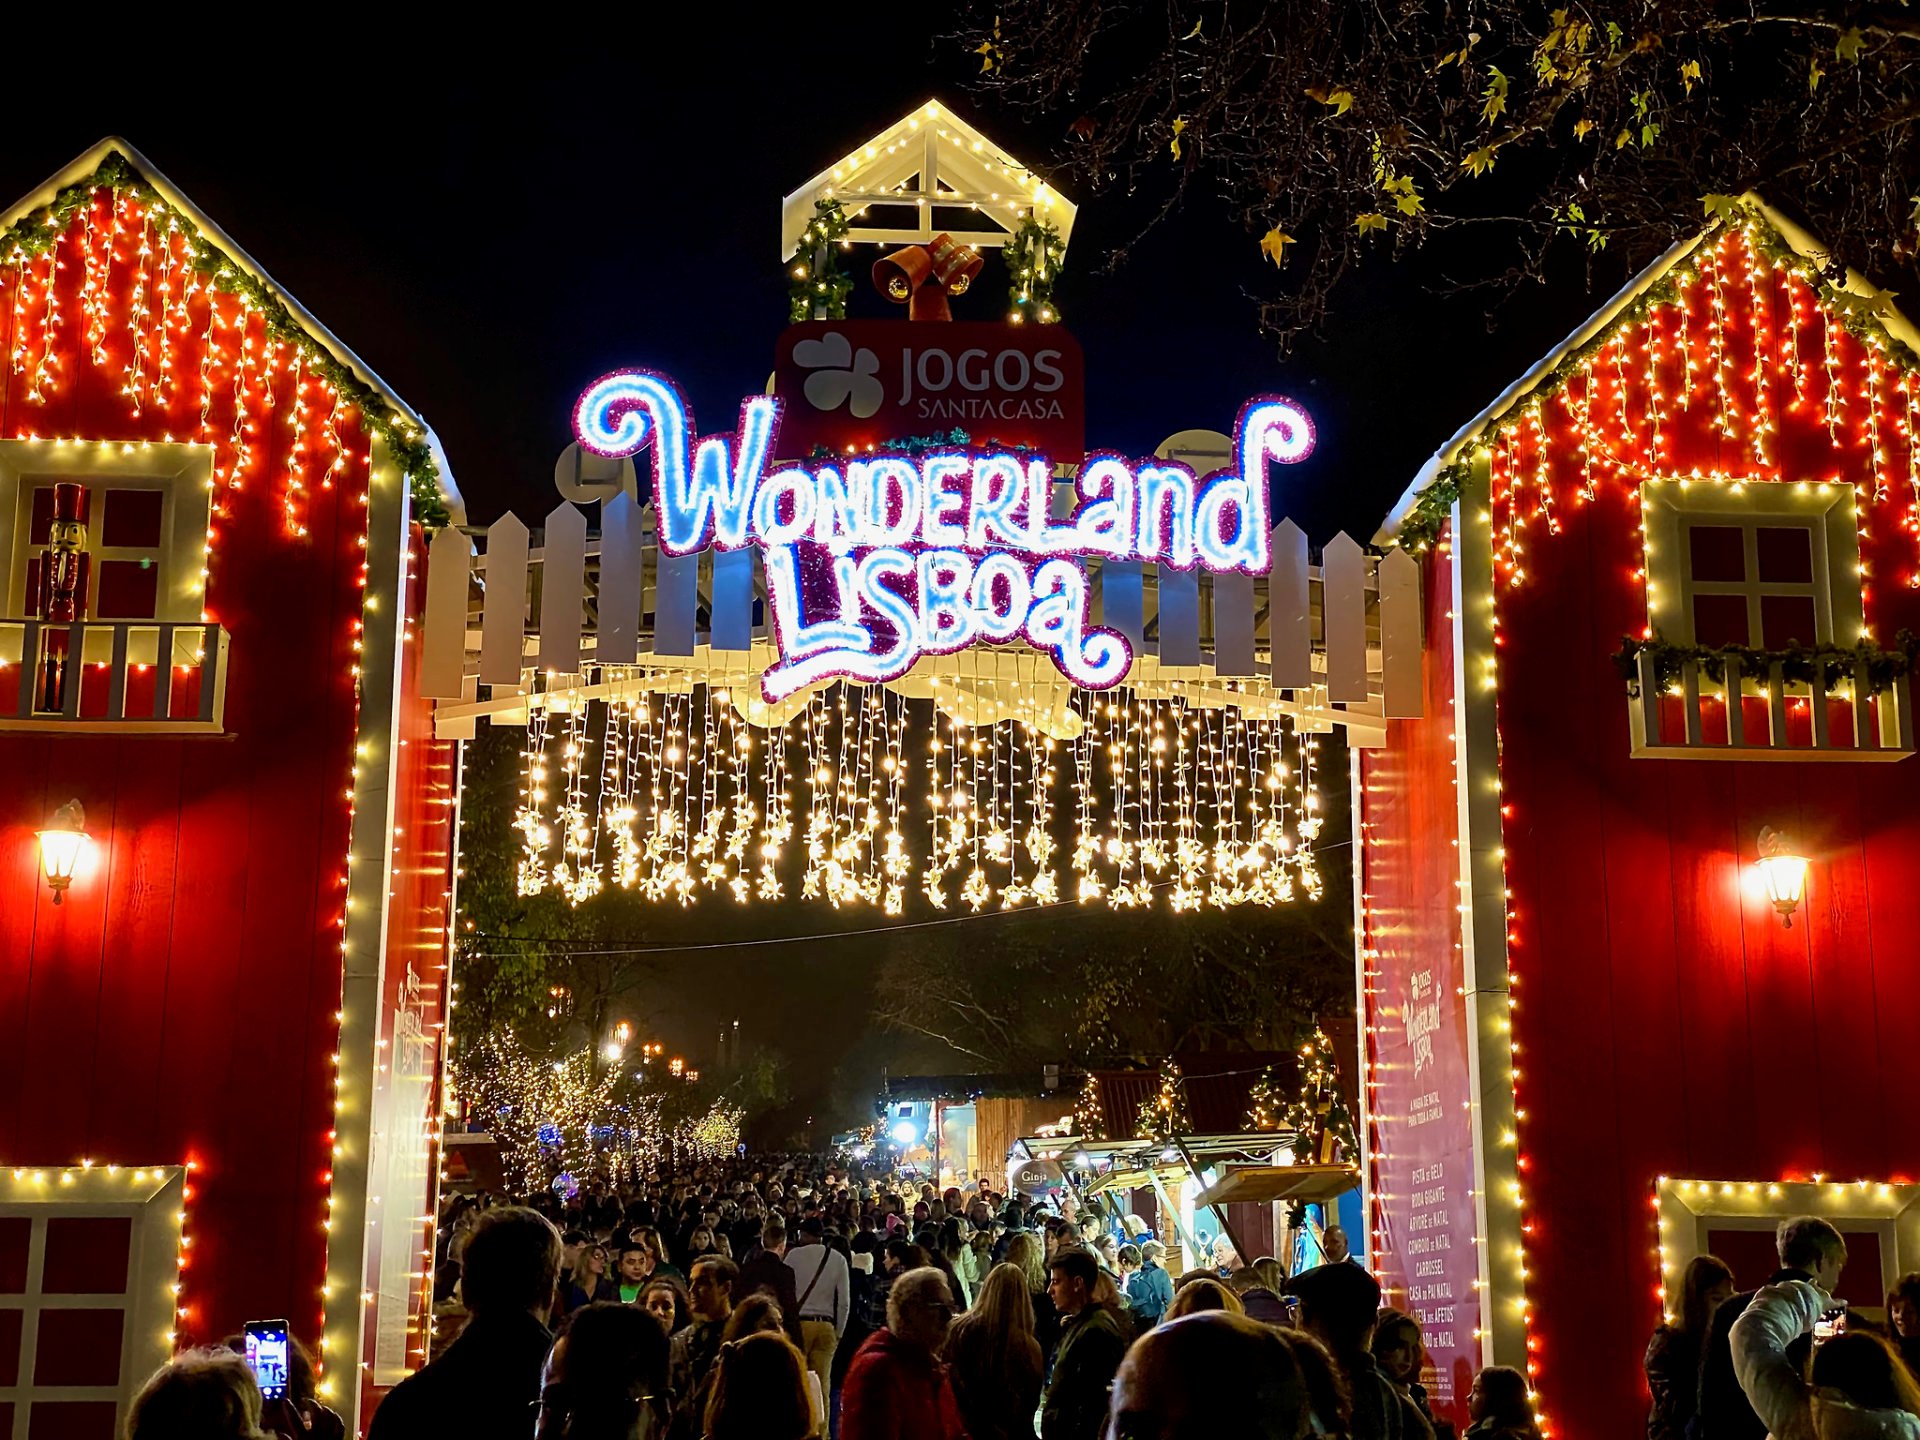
(1832, 1322)
(268, 1357)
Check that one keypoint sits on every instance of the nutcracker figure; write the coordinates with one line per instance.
(57, 582)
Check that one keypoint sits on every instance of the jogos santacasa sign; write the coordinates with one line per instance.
(854, 384)
(873, 562)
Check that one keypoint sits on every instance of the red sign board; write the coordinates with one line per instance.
(864, 383)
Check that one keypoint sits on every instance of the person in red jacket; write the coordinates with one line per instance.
(896, 1388)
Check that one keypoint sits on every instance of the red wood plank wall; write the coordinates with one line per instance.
(181, 1004)
(1670, 1024)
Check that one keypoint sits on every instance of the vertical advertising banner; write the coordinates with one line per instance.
(1423, 1179)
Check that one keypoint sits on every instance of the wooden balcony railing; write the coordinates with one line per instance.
(1764, 715)
(115, 677)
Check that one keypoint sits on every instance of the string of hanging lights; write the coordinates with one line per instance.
(667, 790)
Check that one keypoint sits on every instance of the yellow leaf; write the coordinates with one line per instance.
(1689, 72)
(1368, 223)
(1582, 129)
(1194, 33)
(1623, 139)
(1495, 95)
(1849, 46)
(1479, 161)
(1179, 125)
(1721, 207)
(1340, 100)
(1274, 245)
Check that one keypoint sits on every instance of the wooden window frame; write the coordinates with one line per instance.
(1671, 508)
(154, 1198)
(183, 473)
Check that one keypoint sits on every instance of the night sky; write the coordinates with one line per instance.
(490, 227)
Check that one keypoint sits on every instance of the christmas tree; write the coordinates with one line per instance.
(1166, 1112)
(1318, 1116)
(1086, 1111)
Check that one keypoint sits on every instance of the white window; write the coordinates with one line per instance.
(89, 1262)
(146, 524)
(1763, 565)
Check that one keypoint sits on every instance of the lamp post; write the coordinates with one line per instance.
(1785, 872)
(62, 844)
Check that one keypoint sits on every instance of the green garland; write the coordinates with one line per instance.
(1810, 665)
(814, 276)
(38, 231)
(1034, 256)
(1433, 507)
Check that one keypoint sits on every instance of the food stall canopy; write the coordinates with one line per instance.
(1309, 1184)
(1136, 1179)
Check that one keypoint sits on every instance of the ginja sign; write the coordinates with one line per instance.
(876, 561)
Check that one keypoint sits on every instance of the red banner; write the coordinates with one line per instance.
(864, 383)
(1423, 1179)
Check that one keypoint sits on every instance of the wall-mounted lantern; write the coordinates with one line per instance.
(62, 844)
(1785, 872)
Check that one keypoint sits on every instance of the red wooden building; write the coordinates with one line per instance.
(218, 1045)
(1722, 456)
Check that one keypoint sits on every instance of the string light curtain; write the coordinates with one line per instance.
(865, 794)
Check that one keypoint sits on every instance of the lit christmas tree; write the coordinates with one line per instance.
(1166, 1113)
(1086, 1111)
(1266, 1105)
(1318, 1116)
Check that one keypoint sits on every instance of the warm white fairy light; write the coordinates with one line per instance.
(684, 807)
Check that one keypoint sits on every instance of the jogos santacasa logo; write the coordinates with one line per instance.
(877, 561)
(857, 384)
(838, 374)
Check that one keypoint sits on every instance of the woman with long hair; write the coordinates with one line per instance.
(665, 1298)
(1026, 1254)
(1673, 1355)
(994, 1360)
(959, 1257)
(1862, 1390)
(759, 1314)
(758, 1392)
(1903, 1318)
(591, 1281)
(1501, 1406)
(1400, 1352)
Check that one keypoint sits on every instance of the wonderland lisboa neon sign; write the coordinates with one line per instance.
(877, 561)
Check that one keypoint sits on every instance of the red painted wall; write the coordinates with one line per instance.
(1670, 1024)
(1423, 1224)
(181, 1004)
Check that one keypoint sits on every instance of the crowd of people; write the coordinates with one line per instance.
(1789, 1360)
(789, 1298)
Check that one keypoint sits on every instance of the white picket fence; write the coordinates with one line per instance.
(1338, 643)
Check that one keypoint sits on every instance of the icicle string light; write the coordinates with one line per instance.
(682, 810)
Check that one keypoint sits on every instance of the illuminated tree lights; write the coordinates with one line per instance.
(1204, 798)
(570, 1117)
(1165, 1114)
(183, 331)
(1318, 1114)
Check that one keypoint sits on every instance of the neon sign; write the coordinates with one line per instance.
(874, 562)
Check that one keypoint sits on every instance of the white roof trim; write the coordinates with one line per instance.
(86, 164)
(1802, 243)
(970, 169)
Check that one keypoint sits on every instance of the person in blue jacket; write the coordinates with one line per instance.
(1150, 1288)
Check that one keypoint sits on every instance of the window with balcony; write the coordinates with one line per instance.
(142, 658)
(1754, 599)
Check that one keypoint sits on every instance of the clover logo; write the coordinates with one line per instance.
(839, 373)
